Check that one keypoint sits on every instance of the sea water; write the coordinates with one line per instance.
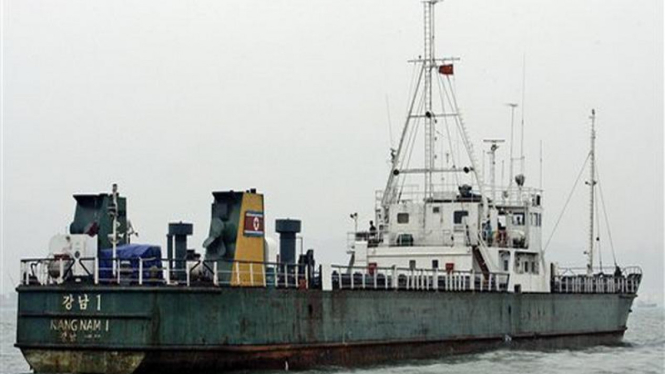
(642, 351)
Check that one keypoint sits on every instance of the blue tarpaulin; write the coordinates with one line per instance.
(129, 255)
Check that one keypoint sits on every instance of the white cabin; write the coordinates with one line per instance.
(449, 233)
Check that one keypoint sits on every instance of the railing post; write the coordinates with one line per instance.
(96, 270)
(306, 278)
(62, 270)
(286, 276)
(251, 273)
(472, 280)
(117, 269)
(263, 273)
(187, 273)
(215, 275)
(352, 280)
(140, 271)
(394, 278)
(435, 281)
(167, 272)
(364, 273)
(237, 266)
(276, 275)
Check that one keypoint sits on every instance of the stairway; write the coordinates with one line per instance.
(481, 261)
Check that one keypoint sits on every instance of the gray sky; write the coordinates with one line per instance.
(175, 99)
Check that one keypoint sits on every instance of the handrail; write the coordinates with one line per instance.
(597, 270)
(397, 278)
(162, 271)
(225, 273)
(575, 280)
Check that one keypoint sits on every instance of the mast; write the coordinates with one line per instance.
(592, 185)
(113, 212)
(494, 146)
(425, 112)
(428, 64)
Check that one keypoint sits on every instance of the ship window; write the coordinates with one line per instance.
(404, 240)
(526, 266)
(534, 267)
(505, 265)
(412, 264)
(458, 215)
(436, 209)
(402, 217)
(518, 219)
(435, 264)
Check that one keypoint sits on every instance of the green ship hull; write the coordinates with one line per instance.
(126, 329)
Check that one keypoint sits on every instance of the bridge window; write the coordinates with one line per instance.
(518, 219)
(436, 209)
(412, 264)
(405, 240)
(402, 217)
(435, 264)
(458, 215)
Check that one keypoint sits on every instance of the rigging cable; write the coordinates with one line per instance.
(390, 124)
(410, 144)
(411, 89)
(607, 222)
(567, 201)
(465, 137)
(444, 93)
(455, 113)
(600, 254)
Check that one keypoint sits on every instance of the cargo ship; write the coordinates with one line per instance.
(449, 264)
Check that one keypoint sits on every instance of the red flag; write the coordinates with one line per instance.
(446, 69)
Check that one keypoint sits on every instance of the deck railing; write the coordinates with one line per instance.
(224, 273)
(153, 271)
(395, 278)
(575, 280)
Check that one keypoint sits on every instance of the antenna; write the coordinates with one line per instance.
(541, 166)
(512, 158)
(494, 146)
(522, 129)
(503, 175)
